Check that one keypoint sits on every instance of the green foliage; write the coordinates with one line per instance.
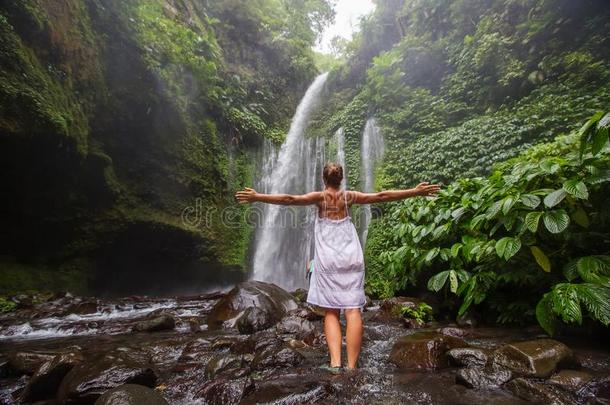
(482, 238)
(422, 313)
(6, 305)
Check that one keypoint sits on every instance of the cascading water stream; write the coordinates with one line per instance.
(283, 244)
(340, 141)
(371, 152)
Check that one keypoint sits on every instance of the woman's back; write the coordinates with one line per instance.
(334, 205)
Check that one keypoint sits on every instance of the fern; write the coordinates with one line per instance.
(597, 300)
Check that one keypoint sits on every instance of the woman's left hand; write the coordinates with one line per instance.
(246, 196)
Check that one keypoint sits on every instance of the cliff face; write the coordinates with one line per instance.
(115, 119)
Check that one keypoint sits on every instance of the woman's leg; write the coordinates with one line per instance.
(332, 330)
(353, 336)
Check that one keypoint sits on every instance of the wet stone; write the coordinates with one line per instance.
(254, 319)
(535, 391)
(570, 379)
(295, 325)
(269, 298)
(272, 357)
(483, 378)
(223, 362)
(533, 358)
(155, 324)
(225, 390)
(424, 350)
(88, 380)
(131, 394)
(45, 382)
(291, 390)
(451, 331)
(468, 357)
(20, 363)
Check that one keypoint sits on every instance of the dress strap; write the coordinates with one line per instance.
(325, 205)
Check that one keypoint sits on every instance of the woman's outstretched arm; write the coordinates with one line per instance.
(422, 190)
(249, 195)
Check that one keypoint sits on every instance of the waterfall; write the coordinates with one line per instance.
(283, 241)
(371, 152)
(340, 141)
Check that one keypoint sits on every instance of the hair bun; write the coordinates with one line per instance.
(332, 174)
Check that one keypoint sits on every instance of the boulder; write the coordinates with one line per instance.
(46, 380)
(532, 358)
(451, 331)
(154, 324)
(83, 308)
(483, 378)
(20, 363)
(131, 394)
(254, 319)
(225, 390)
(468, 357)
(271, 357)
(269, 298)
(296, 325)
(223, 362)
(538, 392)
(88, 380)
(424, 350)
(571, 380)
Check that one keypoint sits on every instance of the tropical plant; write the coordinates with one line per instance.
(501, 239)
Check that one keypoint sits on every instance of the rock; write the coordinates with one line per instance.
(368, 302)
(424, 350)
(158, 323)
(276, 357)
(223, 362)
(254, 319)
(291, 389)
(20, 363)
(483, 378)
(532, 358)
(131, 394)
(88, 380)
(48, 377)
(296, 325)
(571, 380)
(597, 389)
(194, 325)
(225, 391)
(394, 306)
(82, 308)
(300, 294)
(538, 392)
(268, 297)
(451, 331)
(468, 357)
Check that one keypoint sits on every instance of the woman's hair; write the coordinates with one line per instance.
(332, 174)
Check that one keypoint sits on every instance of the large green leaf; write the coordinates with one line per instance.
(593, 269)
(542, 259)
(555, 198)
(566, 302)
(580, 217)
(599, 140)
(507, 204)
(453, 281)
(556, 221)
(597, 300)
(576, 188)
(507, 247)
(531, 221)
(530, 200)
(545, 316)
(436, 282)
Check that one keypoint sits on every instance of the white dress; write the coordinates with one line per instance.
(337, 280)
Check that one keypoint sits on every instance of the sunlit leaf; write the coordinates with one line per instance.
(555, 198)
(542, 259)
(530, 200)
(576, 188)
(556, 221)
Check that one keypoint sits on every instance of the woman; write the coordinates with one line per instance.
(337, 282)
